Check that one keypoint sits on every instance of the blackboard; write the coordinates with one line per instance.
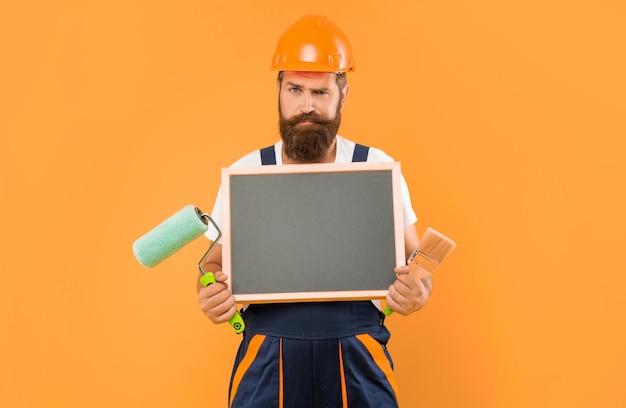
(312, 232)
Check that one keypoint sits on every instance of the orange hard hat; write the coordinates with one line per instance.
(313, 43)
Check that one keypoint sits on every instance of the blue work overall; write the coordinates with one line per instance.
(313, 355)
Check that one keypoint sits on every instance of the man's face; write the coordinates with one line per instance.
(309, 105)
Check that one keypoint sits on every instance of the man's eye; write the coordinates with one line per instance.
(294, 90)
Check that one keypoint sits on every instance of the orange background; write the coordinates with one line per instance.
(508, 118)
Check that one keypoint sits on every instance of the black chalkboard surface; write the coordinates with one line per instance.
(312, 232)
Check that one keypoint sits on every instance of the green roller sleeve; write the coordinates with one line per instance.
(236, 322)
(170, 236)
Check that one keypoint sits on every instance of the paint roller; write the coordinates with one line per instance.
(173, 234)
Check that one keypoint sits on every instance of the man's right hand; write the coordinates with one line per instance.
(216, 300)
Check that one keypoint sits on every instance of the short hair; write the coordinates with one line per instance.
(342, 79)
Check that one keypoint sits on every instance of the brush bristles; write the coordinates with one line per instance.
(436, 245)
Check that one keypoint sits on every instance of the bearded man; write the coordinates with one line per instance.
(303, 354)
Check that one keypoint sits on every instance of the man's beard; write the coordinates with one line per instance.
(308, 143)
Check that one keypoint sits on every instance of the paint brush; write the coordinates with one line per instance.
(433, 249)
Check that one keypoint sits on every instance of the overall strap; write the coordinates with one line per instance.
(360, 153)
(268, 155)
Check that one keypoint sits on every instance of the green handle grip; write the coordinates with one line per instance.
(387, 311)
(236, 322)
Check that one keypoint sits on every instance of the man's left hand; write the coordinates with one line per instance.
(407, 294)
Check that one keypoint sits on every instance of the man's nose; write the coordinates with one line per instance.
(307, 104)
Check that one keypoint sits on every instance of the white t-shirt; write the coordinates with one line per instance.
(345, 150)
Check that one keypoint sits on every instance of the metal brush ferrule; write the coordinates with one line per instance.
(422, 260)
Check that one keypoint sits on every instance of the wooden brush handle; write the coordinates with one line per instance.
(420, 266)
(418, 272)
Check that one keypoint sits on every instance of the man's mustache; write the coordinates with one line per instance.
(307, 117)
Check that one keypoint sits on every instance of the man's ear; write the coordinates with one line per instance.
(344, 95)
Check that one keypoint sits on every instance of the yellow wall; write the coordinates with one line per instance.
(508, 118)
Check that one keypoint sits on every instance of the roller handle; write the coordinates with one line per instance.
(236, 322)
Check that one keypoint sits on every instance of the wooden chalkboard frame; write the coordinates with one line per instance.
(365, 171)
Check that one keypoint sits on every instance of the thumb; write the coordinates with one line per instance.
(404, 269)
(220, 276)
